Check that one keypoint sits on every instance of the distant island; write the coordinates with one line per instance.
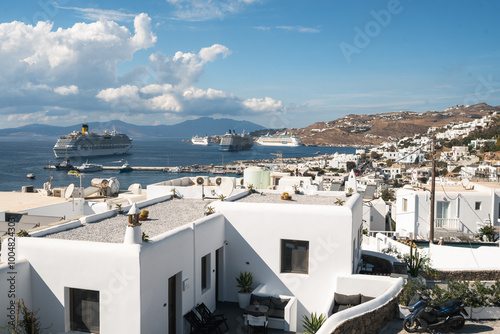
(351, 130)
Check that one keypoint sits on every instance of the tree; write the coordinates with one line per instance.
(388, 195)
(350, 165)
(374, 155)
(388, 162)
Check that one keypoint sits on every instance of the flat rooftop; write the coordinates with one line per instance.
(16, 201)
(296, 199)
(163, 217)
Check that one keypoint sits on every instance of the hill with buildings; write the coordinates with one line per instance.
(362, 130)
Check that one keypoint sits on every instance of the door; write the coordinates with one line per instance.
(172, 305)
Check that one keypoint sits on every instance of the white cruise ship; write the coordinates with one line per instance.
(88, 144)
(200, 140)
(280, 140)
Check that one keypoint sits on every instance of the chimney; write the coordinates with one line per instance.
(133, 233)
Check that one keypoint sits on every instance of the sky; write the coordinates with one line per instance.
(278, 63)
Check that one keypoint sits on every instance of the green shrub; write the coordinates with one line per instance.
(313, 324)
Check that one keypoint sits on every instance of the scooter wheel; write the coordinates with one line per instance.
(407, 325)
(458, 324)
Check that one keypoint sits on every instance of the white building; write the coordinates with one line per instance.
(340, 161)
(298, 252)
(458, 209)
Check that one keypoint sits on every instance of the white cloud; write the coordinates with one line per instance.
(84, 54)
(124, 92)
(300, 29)
(95, 14)
(263, 105)
(185, 69)
(66, 90)
(202, 10)
(68, 75)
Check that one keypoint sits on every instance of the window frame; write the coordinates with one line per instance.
(477, 205)
(296, 244)
(205, 273)
(76, 297)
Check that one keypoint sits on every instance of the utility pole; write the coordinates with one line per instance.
(433, 190)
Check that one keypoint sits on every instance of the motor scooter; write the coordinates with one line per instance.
(448, 314)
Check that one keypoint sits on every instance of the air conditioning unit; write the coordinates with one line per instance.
(203, 180)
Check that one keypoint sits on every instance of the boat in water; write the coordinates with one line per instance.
(30, 176)
(89, 167)
(89, 144)
(279, 140)
(125, 168)
(234, 142)
(200, 140)
(64, 165)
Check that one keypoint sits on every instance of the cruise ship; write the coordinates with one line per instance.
(200, 140)
(234, 142)
(88, 144)
(280, 140)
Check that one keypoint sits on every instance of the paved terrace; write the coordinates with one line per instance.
(163, 217)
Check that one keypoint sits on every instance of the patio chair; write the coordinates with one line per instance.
(257, 324)
(209, 317)
(197, 326)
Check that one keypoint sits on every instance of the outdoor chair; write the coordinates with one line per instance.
(198, 326)
(209, 317)
(257, 324)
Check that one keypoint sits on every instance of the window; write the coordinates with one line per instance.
(205, 272)
(294, 256)
(478, 205)
(84, 310)
(442, 209)
(405, 205)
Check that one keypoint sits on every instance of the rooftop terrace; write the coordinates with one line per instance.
(296, 199)
(163, 217)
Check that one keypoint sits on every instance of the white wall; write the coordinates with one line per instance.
(69, 209)
(464, 258)
(254, 232)
(111, 269)
(20, 277)
(171, 253)
(374, 215)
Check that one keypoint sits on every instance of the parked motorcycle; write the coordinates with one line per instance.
(448, 314)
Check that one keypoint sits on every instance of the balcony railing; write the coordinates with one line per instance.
(448, 223)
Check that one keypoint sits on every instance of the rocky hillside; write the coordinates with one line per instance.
(354, 130)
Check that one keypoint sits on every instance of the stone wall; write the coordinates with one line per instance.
(465, 275)
(370, 322)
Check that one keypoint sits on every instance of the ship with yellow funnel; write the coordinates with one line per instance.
(89, 144)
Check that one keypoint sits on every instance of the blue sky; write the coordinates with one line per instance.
(284, 63)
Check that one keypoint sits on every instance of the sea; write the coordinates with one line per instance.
(22, 155)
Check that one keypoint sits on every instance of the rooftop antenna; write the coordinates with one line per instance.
(465, 183)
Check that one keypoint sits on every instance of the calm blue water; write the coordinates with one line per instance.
(22, 155)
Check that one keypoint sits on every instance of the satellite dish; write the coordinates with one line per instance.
(69, 191)
(465, 183)
(227, 186)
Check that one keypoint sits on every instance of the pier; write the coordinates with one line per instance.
(157, 169)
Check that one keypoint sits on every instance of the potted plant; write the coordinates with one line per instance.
(174, 194)
(119, 208)
(296, 189)
(251, 188)
(144, 215)
(209, 210)
(244, 281)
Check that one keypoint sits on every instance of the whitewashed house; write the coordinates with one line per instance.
(458, 209)
(340, 161)
(99, 276)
